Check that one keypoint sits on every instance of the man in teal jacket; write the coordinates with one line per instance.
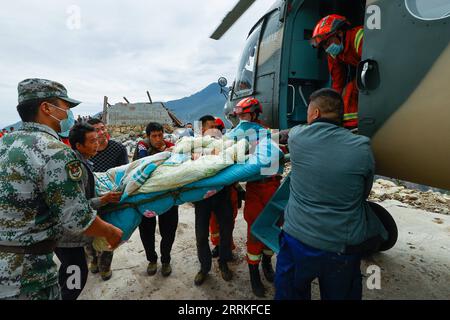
(328, 222)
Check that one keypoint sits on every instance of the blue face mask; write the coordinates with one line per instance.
(65, 124)
(64, 134)
(334, 49)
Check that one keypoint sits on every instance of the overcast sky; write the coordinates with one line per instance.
(118, 48)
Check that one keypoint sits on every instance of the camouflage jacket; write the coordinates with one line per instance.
(41, 198)
(70, 240)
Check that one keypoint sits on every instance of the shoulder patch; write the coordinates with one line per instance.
(74, 170)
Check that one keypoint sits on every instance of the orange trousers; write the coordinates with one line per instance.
(350, 97)
(257, 195)
(214, 226)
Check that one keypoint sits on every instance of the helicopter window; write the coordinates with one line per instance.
(429, 9)
(246, 71)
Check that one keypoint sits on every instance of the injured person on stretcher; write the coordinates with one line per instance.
(197, 168)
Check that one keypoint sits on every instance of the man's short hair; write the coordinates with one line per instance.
(206, 118)
(152, 127)
(329, 102)
(78, 134)
(94, 121)
(28, 110)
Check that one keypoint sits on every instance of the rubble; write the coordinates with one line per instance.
(129, 136)
(430, 200)
(129, 140)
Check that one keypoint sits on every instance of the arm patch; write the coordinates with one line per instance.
(74, 170)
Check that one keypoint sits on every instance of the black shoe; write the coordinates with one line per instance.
(266, 262)
(227, 275)
(200, 278)
(234, 257)
(166, 269)
(215, 252)
(152, 268)
(257, 286)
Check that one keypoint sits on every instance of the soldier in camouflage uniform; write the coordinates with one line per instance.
(70, 250)
(41, 194)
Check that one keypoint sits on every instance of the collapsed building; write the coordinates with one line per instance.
(126, 118)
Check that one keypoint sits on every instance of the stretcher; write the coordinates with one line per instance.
(129, 179)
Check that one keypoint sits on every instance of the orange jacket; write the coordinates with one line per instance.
(351, 55)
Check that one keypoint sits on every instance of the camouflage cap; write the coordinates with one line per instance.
(41, 88)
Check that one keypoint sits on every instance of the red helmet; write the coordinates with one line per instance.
(326, 27)
(219, 124)
(248, 105)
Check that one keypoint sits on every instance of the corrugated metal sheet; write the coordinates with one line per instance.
(137, 114)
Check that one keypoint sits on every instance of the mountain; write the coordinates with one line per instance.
(207, 101)
(189, 109)
(16, 125)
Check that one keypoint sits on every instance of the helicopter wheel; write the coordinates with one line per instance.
(388, 223)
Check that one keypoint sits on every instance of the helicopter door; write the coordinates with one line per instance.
(305, 67)
(404, 96)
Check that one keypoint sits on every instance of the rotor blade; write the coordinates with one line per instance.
(232, 16)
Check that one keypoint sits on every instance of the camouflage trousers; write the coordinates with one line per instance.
(28, 277)
(50, 293)
(102, 259)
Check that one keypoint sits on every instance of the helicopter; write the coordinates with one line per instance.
(403, 77)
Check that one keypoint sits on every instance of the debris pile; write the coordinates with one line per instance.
(131, 138)
(430, 201)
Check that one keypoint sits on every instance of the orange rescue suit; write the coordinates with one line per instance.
(257, 195)
(338, 67)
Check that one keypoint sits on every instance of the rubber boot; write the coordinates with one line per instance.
(267, 268)
(106, 275)
(257, 286)
(93, 266)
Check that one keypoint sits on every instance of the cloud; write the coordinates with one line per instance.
(122, 48)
